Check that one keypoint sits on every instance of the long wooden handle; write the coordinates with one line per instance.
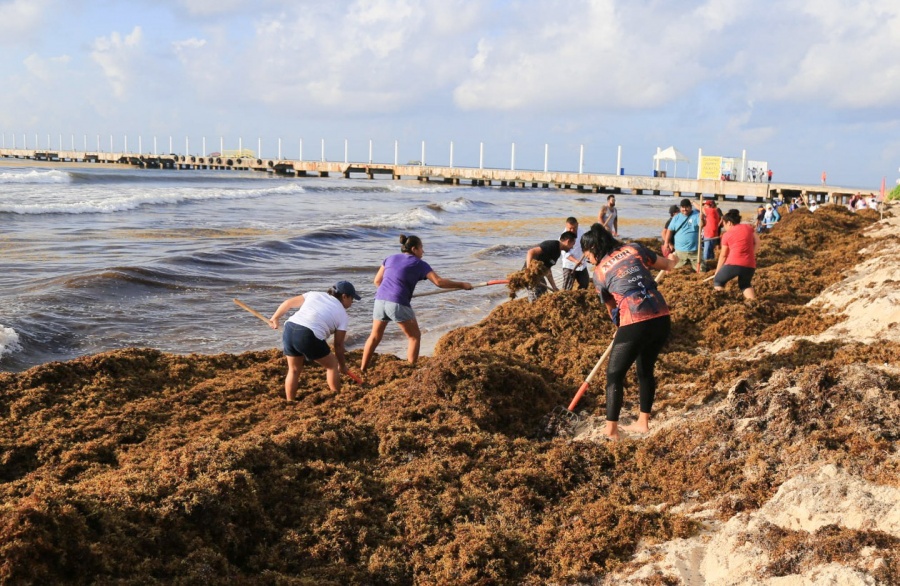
(243, 305)
(485, 284)
(590, 377)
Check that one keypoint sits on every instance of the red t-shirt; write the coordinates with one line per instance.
(739, 240)
(712, 216)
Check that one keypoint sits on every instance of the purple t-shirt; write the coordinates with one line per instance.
(401, 274)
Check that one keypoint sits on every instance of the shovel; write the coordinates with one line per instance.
(243, 305)
(563, 421)
(485, 284)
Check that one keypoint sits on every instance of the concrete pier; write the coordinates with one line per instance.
(518, 179)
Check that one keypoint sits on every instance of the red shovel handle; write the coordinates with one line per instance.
(578, 395)
(355, 378)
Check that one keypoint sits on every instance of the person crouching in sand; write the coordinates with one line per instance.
(738, 256)
(305, 332)
(624, 282)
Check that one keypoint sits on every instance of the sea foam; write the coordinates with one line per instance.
(414, 218)
(34, 176)
(9, 341)
(460, 204)
(105, 204)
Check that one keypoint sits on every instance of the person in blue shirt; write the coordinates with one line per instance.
(685, 228)
(770, 217)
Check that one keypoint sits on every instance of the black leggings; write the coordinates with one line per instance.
(641, 343)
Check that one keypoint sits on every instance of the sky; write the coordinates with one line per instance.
(804, 85)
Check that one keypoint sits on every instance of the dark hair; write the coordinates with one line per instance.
(334, 292)
(407, 243)
(686, 203)
(610, 196)
(599, 241)
(571, 220)
(673, 209)
(732, 216)
(568, 236)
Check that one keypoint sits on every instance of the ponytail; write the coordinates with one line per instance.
(407, 243)
(599, 241)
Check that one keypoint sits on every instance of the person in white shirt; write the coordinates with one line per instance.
(609, 215)
(573, 268)
(319, 316)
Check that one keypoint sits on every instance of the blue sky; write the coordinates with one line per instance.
(806, 85)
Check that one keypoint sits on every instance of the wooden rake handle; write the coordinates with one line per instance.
(584, 386)
(243, 305)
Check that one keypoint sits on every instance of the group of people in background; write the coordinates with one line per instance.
(859, 202)
(759, 175)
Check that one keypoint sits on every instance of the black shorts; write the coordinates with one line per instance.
(744, 276)
(301, 341)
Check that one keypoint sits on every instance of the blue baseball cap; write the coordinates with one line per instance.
(347, 288)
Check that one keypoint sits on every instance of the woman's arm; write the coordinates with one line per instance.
(379, 276)
(286, 305)
(339, 337)
(723, 254)
(447, 283)
(611, 307)
(661, 262)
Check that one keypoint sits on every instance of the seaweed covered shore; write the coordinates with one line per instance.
(772, 452)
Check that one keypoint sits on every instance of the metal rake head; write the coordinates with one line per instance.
(559, 422)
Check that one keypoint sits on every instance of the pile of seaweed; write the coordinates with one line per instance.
(136, 466)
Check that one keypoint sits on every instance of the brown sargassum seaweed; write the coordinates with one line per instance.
(135, 466)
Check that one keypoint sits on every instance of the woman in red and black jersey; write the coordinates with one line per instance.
(623, 280)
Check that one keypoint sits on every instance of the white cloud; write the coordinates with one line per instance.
(46, 70)
(595, 54)
(849, 60)
(382, 56)
(117, 55)
(22, 19)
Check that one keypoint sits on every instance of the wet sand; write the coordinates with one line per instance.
(772, 451)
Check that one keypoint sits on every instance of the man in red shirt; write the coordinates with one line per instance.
(711, 229)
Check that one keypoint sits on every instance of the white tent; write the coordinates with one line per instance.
(670, 154)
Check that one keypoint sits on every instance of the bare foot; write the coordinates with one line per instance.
(636, 428)
(642, 425)
(612, 431)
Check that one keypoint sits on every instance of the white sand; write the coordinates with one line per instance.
(868, 297)
(734, 552)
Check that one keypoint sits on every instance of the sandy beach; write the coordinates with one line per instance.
(771, 460)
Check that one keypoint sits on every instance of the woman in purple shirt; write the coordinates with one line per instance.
(396, 280)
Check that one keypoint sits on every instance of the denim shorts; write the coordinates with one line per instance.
(301, 341)
(390, 311)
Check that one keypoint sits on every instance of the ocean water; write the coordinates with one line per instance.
(100, 259)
